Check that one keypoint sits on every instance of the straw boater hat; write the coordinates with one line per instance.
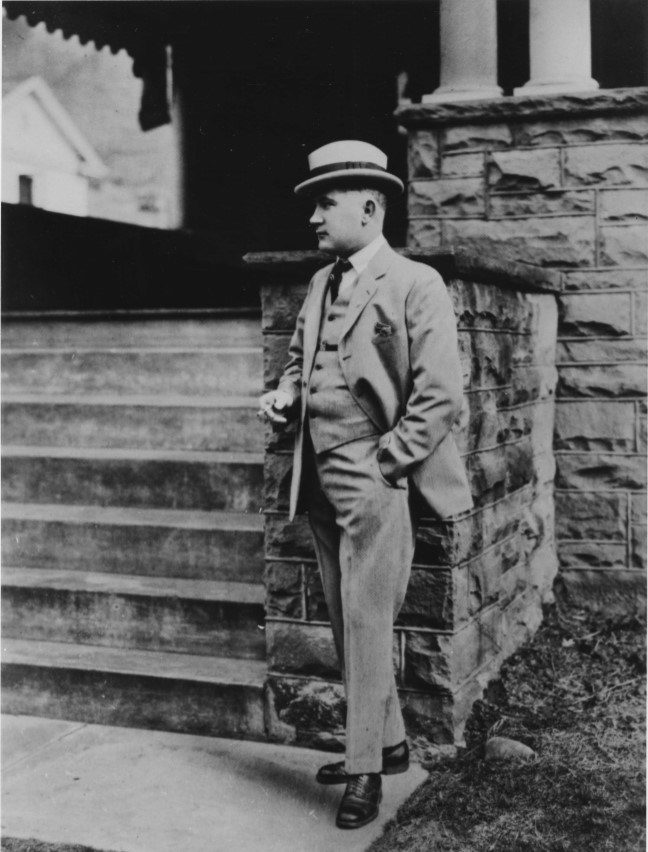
(348, 161)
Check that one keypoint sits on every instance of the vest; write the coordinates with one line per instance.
(334, 417)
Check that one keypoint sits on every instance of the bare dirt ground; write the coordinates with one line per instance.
(576, 695)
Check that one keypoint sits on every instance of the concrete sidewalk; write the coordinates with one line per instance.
(133, 790)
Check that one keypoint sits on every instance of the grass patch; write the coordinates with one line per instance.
(576, 695)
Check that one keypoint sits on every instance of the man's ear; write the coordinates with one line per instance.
(368, 209)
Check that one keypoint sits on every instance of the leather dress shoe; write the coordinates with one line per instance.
(395, 761)
(360, 801)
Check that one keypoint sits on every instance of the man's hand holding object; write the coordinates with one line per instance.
(272, 404)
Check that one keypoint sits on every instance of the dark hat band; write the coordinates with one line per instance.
(349, 164)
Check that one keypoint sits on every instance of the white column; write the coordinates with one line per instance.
(560, 48)
(468, 51)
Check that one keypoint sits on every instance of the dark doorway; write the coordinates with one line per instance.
(265, 83)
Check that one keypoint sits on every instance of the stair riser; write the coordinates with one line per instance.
(134, 701)
(133, 483)
(192, 334)
(186, 373)
(212, 628)
(144, 550)
(132, 426)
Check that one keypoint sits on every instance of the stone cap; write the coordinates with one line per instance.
(524, 107)
(452, 262)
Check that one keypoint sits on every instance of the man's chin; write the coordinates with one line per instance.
(323, 244)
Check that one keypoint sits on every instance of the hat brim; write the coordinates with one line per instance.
(384, 181)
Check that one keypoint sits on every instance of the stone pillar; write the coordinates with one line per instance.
(468, 51)
(479, 579)
(556, 181)
(560, 47)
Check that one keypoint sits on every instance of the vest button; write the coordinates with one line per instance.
(318, 366)
(313, 390)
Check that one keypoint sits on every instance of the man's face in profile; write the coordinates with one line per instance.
(338, 221)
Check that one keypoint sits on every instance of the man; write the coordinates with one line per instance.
(374, 375)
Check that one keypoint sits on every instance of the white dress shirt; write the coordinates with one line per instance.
(360, 261)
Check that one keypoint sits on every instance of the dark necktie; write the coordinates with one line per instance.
(341, 266)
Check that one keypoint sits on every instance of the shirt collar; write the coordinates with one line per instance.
(360, 260)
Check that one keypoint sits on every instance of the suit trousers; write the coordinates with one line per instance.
(364, 541)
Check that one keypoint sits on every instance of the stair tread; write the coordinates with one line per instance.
(158, 664)
(152, 400)
(172, 518)
(132, 350)
(111, 316)
(92, 453)
(132, 584)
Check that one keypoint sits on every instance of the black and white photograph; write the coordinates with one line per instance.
(324, 442)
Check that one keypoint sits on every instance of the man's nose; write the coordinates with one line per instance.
(316, 218)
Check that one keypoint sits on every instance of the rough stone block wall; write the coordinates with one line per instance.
(478, 580)
(563, 182)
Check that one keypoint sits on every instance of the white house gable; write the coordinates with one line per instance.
(46, 160)
(30, 136)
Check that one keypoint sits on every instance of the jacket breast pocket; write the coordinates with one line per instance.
(383, 333)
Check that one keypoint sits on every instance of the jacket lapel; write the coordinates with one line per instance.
(313, 319)
(366, 286)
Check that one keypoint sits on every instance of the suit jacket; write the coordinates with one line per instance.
(398, 353)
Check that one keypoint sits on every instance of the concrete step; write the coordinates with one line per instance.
(164, 422)
(237, 371)
(129, 330)
(138, 478)
(224, 546)
(120, 611)
(186, 693)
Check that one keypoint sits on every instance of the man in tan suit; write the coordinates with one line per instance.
(374, 376)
